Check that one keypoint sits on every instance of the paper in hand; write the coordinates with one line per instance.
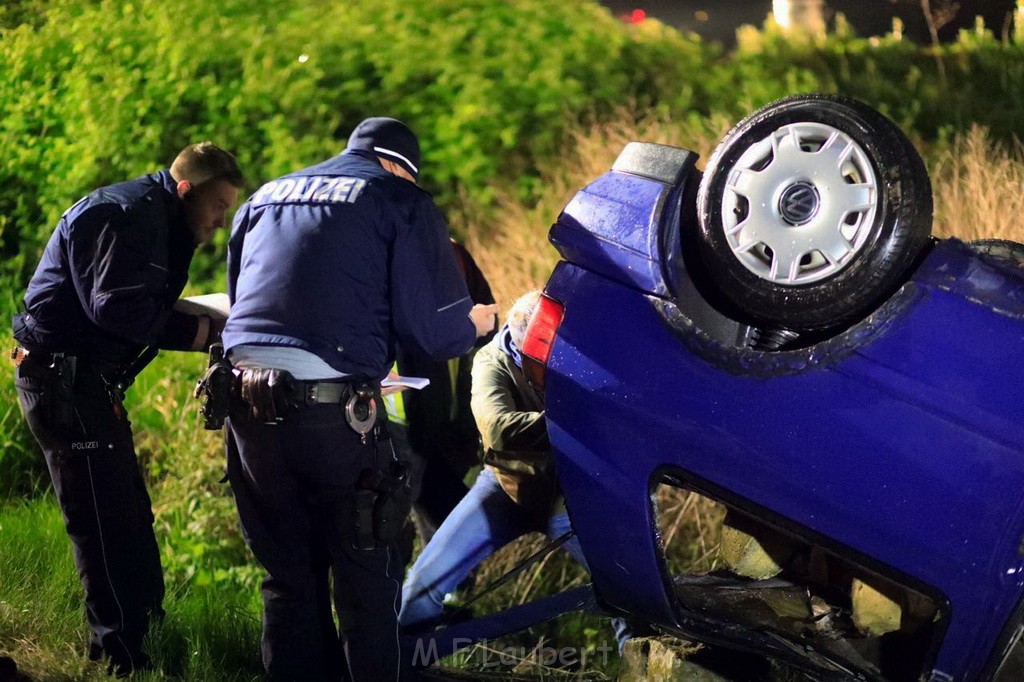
(215, 306)
(395, 380)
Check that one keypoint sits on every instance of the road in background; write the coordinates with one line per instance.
(718, 20)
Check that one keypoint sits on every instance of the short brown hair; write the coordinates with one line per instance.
(205, 161)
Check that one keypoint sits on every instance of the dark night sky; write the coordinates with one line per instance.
(868, 17)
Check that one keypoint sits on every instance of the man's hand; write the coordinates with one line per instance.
(388, 390)
(485, 318)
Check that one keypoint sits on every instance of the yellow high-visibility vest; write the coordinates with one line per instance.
(395, 404)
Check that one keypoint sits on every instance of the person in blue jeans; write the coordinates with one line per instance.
(516, 493)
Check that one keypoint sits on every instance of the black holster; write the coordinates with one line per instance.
(218, 387)
(268, 393)
(58, 371)
(383, 500)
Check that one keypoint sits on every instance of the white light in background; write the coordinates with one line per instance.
(303, 58)
(780, 8)
(803, 16)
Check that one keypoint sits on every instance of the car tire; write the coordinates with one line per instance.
(811, 212)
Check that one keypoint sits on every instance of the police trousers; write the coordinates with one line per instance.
(107, 511)
(294, 485)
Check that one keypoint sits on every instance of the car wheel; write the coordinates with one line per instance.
(812, 211)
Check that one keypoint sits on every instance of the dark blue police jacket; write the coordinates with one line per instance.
(110, 273)
(341, 258)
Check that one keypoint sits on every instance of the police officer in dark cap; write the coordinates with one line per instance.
(328, 268)
(100, 304)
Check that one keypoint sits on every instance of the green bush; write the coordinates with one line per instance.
(927, 91)
(96, 92)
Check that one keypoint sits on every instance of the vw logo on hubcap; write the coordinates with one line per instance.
(799, 203)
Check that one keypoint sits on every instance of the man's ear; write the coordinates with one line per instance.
(396, 169)
(184, 187)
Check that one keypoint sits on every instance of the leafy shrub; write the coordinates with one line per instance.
(96, 92)
(927, 91)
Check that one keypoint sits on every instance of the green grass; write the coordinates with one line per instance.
(40, 612)
(212, 629)
(211, 632)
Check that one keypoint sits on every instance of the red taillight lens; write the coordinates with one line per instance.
(540, 336)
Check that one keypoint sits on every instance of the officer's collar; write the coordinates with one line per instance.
(175, 203)
(363, 154)
(164, 179)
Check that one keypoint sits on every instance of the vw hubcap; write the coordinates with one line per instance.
(800, 204)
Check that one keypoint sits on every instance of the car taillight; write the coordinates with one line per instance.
(540, 336)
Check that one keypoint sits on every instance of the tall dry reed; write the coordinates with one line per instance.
(978, 186)
(512, 248)
(977, 183)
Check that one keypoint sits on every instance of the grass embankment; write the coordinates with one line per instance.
(212, 627)
(210, 633)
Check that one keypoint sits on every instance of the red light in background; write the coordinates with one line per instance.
(638, 16)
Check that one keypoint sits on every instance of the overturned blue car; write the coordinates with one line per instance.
(781, 334)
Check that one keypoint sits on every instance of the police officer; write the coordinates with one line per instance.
(327, 268)
(98, 306)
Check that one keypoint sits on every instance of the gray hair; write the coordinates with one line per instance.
(519, 315)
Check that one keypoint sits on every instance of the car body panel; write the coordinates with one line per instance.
(619, 219)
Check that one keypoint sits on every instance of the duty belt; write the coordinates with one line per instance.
(360, 406)
(322, 392)
(38, 364)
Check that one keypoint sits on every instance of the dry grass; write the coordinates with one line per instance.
(513, 250)
(979, 189)
(978, 186)
(691, 529)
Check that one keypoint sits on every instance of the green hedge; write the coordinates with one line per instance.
(95, 92)
(930, 93)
